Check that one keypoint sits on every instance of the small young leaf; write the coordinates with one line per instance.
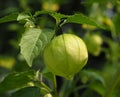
(33, 42)
(28, 92)
(9, 18)
(22, 16)
(58, 16)
(16, 80)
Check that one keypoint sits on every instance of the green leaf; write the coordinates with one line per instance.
(28, 92)
(9, 18)
(98, 87)
(114, 83)
(47, 74)
(93, 75)
(81, 19)
(76, 18)
(96, 1)
(22, 16)
(116, 20)
(33, 42)
(16, 80)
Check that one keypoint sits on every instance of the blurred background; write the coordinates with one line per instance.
(102, 72)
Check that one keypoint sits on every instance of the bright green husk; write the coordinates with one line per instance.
(66, 55)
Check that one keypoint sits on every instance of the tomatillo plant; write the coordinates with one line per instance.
(64, 54)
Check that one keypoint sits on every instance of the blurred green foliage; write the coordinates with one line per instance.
(100, 77)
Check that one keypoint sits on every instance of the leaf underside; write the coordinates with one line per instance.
(33, 42)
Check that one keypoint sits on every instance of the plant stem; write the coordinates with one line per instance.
(55, 87)
(41, 84)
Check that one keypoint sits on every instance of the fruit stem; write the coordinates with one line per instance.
(58, 29)
(55, 86)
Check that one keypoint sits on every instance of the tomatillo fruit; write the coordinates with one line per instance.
(93, 42)
(66, 55)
